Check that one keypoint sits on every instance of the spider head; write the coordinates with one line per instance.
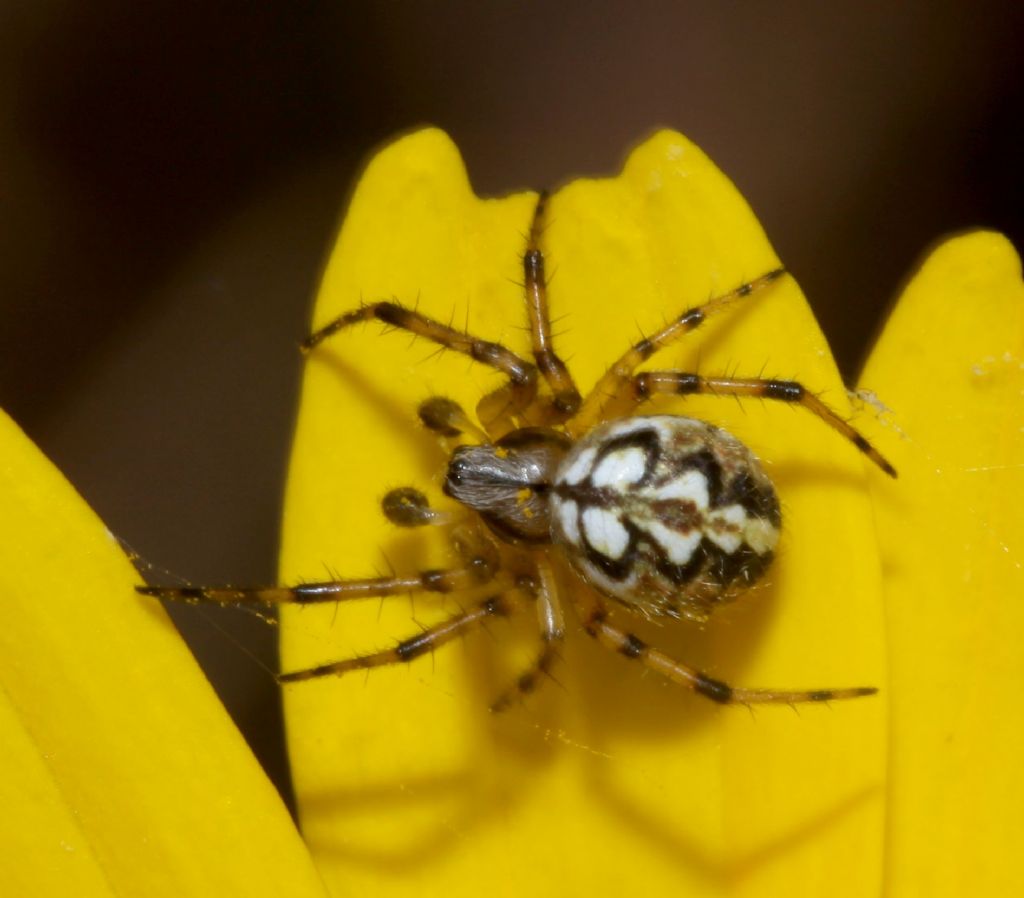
(508, 482)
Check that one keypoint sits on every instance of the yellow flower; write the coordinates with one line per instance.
(120, 773)
(951, 540)
(609, 780)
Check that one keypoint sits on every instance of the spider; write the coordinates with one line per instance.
(667, 516)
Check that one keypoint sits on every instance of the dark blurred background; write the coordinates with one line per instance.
(172, 173)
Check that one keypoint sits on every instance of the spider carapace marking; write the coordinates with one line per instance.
(666, 516)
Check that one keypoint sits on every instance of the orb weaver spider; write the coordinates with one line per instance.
(665, 515)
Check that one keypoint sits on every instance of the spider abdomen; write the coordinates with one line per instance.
(668, 515)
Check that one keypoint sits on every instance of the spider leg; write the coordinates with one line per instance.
(442, 580)
(454, 627)
(480, 568)
(596, 624)
(551, 621)
(565, 396)
(616, 379)
(522, 376)
(652, 382)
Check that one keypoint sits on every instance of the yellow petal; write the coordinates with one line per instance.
(951, 366)
(121, 772)
(610, 780)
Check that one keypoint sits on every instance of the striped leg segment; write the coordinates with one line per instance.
(615, 381)
(652, 382)
(565, 396)
(596, 625)
(522, 375)
(551, 621)
(411, 648)
(478, 571)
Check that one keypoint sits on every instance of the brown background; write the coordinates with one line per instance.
(171, 174)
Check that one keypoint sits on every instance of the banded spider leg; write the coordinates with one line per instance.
(598, 625)
(682, 384)
(616, 380)
(622, 381)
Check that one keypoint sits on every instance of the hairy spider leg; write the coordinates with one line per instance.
(682, 384)
(480, 568)
(456, 626)
(551, 622)
(596, 625)
(617, 378)
(522, 375)
(442, 580)
(565, 396)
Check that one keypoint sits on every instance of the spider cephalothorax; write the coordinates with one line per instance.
(509, 483)
(668, 516)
